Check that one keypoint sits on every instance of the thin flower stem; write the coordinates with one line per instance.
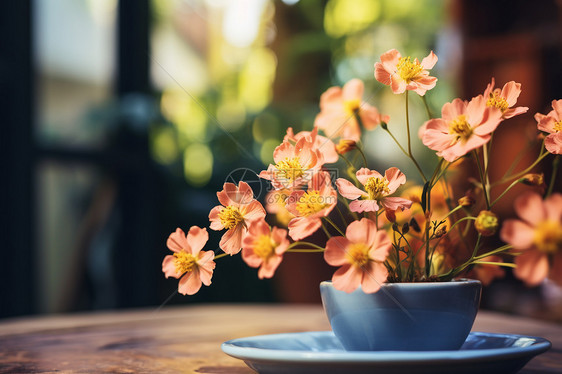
(406, 154)
(506, 264)
(326, 230)
(306, 244)
(303, 250)
(486, 180)
(553, 176)
(426, 107)
(334, 225)
(362, 155)
(513, 184)
(518, 158)
(482, 179)
(410, 154)
(220, 256)
(542, 155)
(493, 252)
(344, 200)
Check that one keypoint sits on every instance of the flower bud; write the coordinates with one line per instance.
(466, 201)
(441, 231)
(405, 228)
(533, 180)
(486, 223)
(414, 224)
(345, 145)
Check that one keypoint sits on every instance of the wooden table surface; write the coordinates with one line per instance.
(187, 339)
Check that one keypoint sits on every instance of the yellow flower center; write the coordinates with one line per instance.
(358, 254)
(377, 188)
(264, 247)
(311, 202)
(352, 106)
(230, 217)
(408, 70)
(461, 128)
(289, 169)
(496, 101)
(548, 237)
(185, 262)
(558, 126)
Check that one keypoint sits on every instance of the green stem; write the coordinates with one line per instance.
(302, 250)
(518, 175)
(220, 256)
(506, 264)
(362, 155)
(482, 179)
(493, 252)
(553, 177)
(406, 154)
(334, 225)
(426, 107)
(513, 184)
(292, 245)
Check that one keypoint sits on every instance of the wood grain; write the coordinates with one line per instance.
(187, 339)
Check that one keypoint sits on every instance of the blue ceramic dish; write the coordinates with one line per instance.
(431, 316)
(322, 353)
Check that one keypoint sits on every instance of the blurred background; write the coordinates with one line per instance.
(122, 118)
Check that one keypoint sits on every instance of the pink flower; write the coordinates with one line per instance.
(276, 203)
(377, 190)
(294, 164)
(462, 128)
(264, 247)
(237, 209)
(401, 73)
(320, 143)
(505, 98)
(311, 205)
(538, 234)
(339, 108)
(189, 262)
(552, 124)
(361, 255)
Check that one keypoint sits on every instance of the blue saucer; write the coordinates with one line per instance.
(321, 353)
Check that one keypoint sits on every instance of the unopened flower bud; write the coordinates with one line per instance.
(442, 231)
(345, 145)
(384, 125)
(533, 180)
(414, 224)
(395, 227)
(405, 228)
(486, 223)
(466, 201)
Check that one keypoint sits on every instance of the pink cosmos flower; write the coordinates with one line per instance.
(311, 205)
(552, 124)
(237, 209)
(325, 146)
(377, 191)
(361, 255)
(189, 262)
(463, 127)
(338, 110)
(504, 99)
(294, 164)
(264, 247)
(538, 234)
(276, 203)
(401, 73)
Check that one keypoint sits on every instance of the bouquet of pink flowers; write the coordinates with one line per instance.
(425, 233)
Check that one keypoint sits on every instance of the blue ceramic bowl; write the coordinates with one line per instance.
(429, 316)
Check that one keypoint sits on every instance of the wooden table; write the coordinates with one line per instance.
(187, 339)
